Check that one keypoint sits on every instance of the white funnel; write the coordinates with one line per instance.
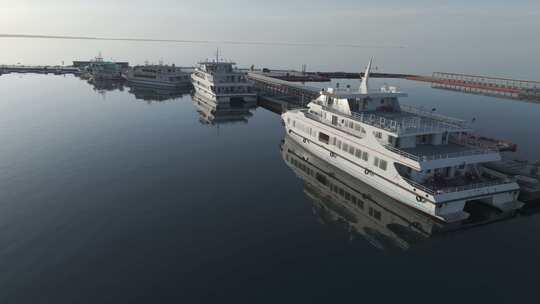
(365, 79)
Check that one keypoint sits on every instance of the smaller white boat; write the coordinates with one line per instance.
(159, 75)
(222, 82)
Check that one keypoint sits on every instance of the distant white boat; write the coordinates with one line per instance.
(159, 76)
(221, 82)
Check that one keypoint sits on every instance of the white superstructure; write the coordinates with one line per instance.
(220, 81)
(422, 159)
(159, 75)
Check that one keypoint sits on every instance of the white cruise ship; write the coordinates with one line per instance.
(220, 81)
(422, 159)
(159, 75)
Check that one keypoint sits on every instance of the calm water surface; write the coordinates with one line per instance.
(106, 198)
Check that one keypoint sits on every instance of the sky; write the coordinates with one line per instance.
(492, 32)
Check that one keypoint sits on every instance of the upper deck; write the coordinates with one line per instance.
(217, 67)
(403, 121)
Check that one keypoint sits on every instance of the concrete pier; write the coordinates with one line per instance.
(58, 70)
(491, 86)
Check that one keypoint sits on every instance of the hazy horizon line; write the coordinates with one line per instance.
(312, 44)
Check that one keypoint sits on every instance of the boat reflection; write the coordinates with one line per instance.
(106, 85)
(213, 114)
(387, 224)
(157, 94)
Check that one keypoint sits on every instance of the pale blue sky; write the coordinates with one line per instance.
(291, 20)
(436, 34)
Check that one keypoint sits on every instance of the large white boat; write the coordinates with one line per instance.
(220, 81)
(159, 75)
(420, 158)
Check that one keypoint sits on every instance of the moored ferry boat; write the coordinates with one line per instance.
(99, 69)
(420, 158)
(159, 75)
(220, 81)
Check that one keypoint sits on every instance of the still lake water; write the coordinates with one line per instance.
(105, 198)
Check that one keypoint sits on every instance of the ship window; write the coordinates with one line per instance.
(351, 150)
(378, 134)
(358, 153)
(380, 163)
(383, 164)
(345, 147)
(365, 156)
(339, 144)
(324, 138)
(377, 214)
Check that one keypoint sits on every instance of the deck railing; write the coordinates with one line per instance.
(429, 157)
(453, 189)
(442, 118)
(417, 123)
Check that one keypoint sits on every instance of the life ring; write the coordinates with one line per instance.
(366, 172)
(332, 154)
(419, 199)
(305, 140)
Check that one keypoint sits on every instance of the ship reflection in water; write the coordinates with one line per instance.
(213, 114)
(157, 94)
(106, 85)
(141, 92)
(339, 198)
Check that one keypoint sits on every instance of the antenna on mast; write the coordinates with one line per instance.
(365, 79)
(217, 54)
